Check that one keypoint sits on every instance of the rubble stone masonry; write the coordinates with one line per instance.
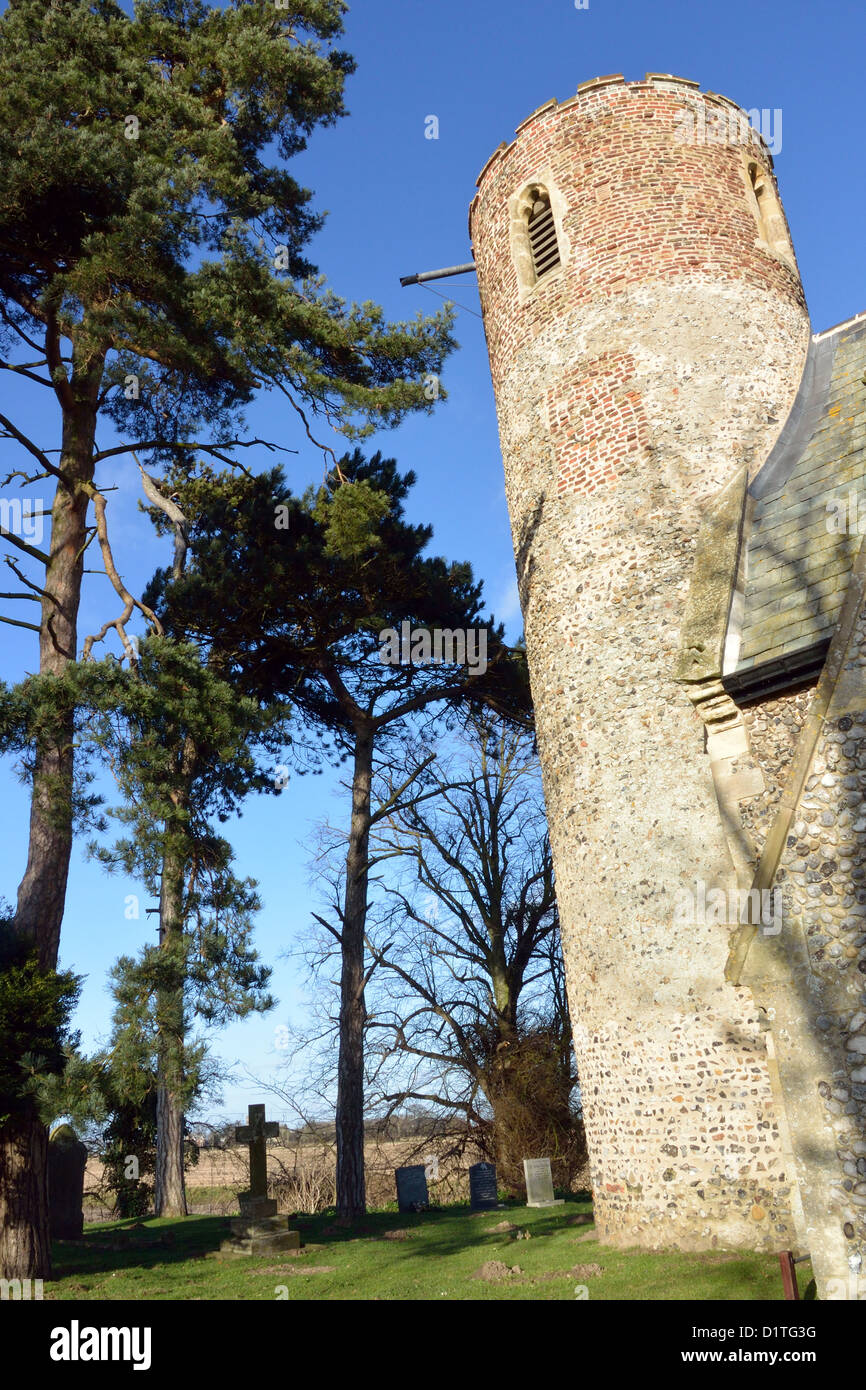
(632, 382)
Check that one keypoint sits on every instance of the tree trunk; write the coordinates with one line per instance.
(25, 1251)
(25, 1243)
(42, 892)
(169, 1186)
(351, 1190)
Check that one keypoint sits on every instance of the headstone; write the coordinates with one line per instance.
(254, 1135)
(67, 1160)
(539, 1183)
(258, 1231)
(483, 1195)
(412, 1192)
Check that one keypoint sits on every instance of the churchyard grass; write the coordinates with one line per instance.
(435, 1257)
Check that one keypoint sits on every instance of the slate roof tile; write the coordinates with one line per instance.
(796, 565)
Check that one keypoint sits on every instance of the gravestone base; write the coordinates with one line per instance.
(256, 1208)
(556, 1202)
(262, 1236)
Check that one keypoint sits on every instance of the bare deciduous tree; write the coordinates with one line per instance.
(466, 1005)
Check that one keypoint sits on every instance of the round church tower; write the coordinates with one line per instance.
(647, 333)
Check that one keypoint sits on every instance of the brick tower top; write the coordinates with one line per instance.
(645, 182)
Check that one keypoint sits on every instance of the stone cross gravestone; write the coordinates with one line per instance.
(67, 1160)
(259, 1231)
(482, 1187)
(254, 1134)
(412, 1192)
(539, 1183)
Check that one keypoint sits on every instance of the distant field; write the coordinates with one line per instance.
(301, 1177)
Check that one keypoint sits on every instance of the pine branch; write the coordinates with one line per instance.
(22, 545)
(25, 371)
(16, 622)
(27, 479)
(325, 448)
(129, 603)
(328, 927)
(196, 446)
(12, 432)
(28, 583)
(7, 319)
(391, 805)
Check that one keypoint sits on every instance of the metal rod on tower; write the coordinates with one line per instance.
(436, 274)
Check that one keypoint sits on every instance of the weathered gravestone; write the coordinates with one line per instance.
(539, 1183)
(412, 1192)
(482, 1187)
(258, 1230)
(67, 1160)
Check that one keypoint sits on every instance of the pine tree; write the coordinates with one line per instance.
(153, 274)
(184, 746)
(294, 594)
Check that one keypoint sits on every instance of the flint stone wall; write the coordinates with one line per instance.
(631, 383)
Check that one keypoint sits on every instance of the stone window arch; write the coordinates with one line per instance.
(537, 242)
(543, 239)
(767, 211)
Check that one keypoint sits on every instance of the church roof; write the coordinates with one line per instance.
(800, 533)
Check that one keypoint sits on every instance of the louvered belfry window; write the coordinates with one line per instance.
(543, 244)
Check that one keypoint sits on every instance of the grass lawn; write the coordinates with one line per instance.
(429, 1256)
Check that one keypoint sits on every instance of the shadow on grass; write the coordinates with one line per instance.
(446, 1230)
(150, 1242)
(139, 1244)
(626, 1274)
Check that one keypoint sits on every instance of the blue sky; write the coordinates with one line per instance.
(398, 203)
